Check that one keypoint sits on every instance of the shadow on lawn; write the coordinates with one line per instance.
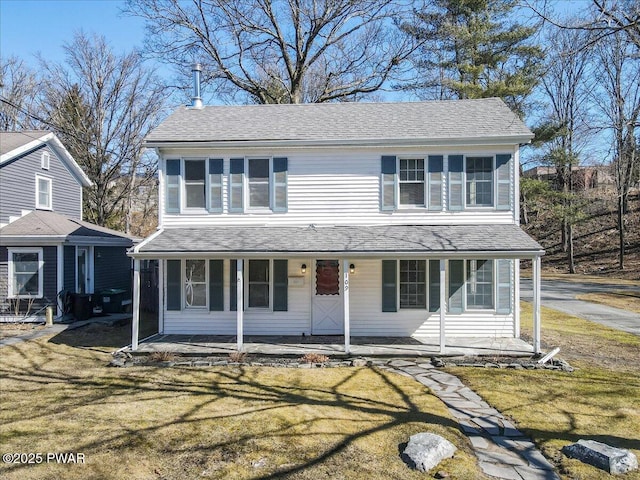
(40, 370)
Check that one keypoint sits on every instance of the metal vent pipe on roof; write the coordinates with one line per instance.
(196, 100)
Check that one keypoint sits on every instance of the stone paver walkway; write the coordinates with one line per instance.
(502, 450)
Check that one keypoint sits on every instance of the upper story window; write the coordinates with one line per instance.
(412, 181)
(479, 181)
(45, 160)
(194, 184)
(258, 181)
(43, 193)
(25, 273)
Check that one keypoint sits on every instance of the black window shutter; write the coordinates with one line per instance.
(280, 285)
(216, 285)
(174, 284)
(389, 285)
(233, 286)
(434, 285)
(215, 166)
(236, 165)
(388, 164)
(280, 164)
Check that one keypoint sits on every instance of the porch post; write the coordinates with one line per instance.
(536, 304)
(239, 304)
(161, 294)
(135, 322)
(443, 305)
(345, 297)
(60, 276)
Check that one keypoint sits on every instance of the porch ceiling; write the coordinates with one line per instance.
(385, 240)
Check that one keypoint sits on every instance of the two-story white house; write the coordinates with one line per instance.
(358, 219)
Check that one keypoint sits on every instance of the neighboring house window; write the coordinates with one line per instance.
(45, 160)
(480, 284)
(479, 181)
(194, 184)
(412, 181)
(258, 284)
(25, 273)
(413, 284)
(195, 283)
(43, 192)
(172, 197)
(258, 181)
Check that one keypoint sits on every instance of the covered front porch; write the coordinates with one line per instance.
(333, 345)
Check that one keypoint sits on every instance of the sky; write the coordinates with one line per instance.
(28, 27)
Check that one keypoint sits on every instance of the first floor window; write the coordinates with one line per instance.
(480, 284)
(258, 283)
(413, 284)
(25, 273)
(43, 192)
(195, 286)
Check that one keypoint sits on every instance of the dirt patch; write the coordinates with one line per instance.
(14, 329)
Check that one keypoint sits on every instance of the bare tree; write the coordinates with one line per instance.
(281, 51)
(567, 91)
(18, 90)
(102, 106)
(609, 17)
(619, 101)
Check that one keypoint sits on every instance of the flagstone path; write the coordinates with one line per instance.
(502, 450)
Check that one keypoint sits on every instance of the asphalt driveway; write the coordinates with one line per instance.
(561, 296)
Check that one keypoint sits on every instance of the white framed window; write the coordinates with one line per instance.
(411, 182)
(43, 192)
(479, 181)
(413, 284)
(258, 182)
(194, 184)
(195, 283)
(45, 160)
(259, 284)
(25, 273)
(480, 282)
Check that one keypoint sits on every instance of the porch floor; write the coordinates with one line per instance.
(333, 345)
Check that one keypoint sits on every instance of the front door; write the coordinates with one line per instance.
(327, 312)
(83, 270)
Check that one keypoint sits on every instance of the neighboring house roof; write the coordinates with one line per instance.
(410, 123)
(16, 144)
(50, 226)
(350, 240)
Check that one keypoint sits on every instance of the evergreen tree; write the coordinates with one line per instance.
(474, 49)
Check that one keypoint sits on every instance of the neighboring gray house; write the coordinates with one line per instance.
(45, 247)
(358, 219)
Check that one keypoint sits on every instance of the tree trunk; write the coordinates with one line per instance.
(572, 266)
(621, 232)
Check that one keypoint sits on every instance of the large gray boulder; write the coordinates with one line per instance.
(426, 450)
(603, 456)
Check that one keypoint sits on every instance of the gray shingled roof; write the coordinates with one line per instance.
(11, 140)
(41, 223)
(400, 239)
(343, 122)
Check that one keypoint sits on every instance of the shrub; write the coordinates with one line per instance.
(314, 358)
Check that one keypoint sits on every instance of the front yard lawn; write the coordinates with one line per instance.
(599, 401)
(185, 423)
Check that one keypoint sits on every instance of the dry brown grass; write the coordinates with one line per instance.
(13, 329)
(617, 298)
(229, 422)
(599, 401)
(314, 358)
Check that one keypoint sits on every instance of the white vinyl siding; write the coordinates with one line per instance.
(336, 188)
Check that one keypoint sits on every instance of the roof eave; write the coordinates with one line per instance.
(36, 240)
(383, 142)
